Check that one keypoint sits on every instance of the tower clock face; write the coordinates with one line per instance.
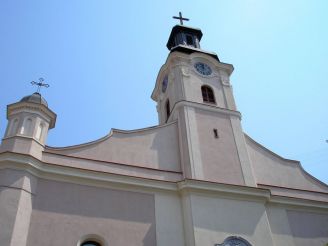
(203, 68)
(164, 83)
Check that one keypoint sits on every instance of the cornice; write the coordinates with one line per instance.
(78, 175)
(19, 136)
(207, 107)
(36, 108)
(79, 158)
(223, 190)
(294, 202)
(40, 169)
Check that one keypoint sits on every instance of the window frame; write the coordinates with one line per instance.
(208, 94)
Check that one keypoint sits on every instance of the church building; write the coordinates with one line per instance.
(195, 179)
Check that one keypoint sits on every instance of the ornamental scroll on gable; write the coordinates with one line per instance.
(234, 241)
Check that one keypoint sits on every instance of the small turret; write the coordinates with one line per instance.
(28, 123)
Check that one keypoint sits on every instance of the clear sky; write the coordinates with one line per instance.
(101, 60)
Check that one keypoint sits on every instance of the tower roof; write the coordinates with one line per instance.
(187, 40)
(176, 30)
(35, 98)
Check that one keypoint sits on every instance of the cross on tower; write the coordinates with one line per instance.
(180, 18)
(40, 84)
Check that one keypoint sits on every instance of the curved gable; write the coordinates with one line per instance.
(274, 172)
(153, 147)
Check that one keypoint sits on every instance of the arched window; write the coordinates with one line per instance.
(208, 94)
(26, 127)
(167, 108)
(39, 131)
(90, 243)
(13, 128)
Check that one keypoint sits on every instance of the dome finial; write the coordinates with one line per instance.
(40, 84)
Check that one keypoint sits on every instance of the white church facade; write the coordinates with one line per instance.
(196, 179)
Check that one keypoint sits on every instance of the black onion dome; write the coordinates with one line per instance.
(35, 98)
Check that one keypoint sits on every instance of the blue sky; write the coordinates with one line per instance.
(101, 60)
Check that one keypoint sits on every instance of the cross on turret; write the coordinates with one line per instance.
(180, 18)
(40, 84)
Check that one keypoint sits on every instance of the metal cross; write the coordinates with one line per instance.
(40, 84)
(180, 18)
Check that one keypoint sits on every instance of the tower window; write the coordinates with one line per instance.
(27, 127)
(208, 94)
(189, 40)
(39, 131)
(13, 127)
(167, 108)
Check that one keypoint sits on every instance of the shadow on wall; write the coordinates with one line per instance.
(68, 198)
(228, 216)
(166, 144)
(63, 213)
(308, 225)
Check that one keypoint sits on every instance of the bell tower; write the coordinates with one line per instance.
(193, 88)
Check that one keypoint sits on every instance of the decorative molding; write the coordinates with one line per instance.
(18, 107)
(78, 158)
(225, 82)
(79, 175)
(207, 107)
(185, 71)
(92, 237)
(24, 137)
(298, 202)
(9, 160)
(289, 188)
(224, 190)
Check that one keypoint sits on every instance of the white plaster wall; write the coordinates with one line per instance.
(271, 169)
(193, 83)
(219, 156)
(279, 226)
(22, 220)
(155, 147)
(317, 196)
(9, 200)
(169, 224)
(24, 145)
(16, 194)
(63, 213)
(184, 148)
(109, 167)
(217, 218)
(308, 228)
(192, 141)
(185, 82)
